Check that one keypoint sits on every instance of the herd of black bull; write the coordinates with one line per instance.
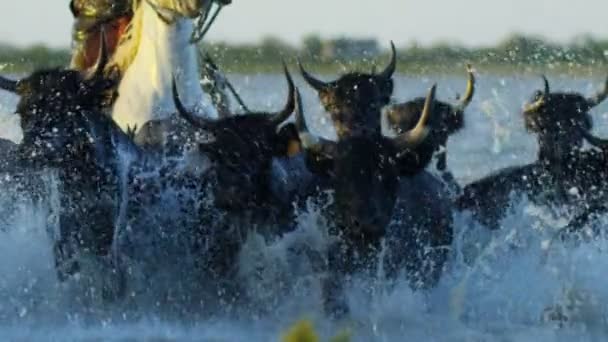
(381, 190)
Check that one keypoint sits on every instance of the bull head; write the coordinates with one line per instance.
(403, 141)
(447, 120)
(543, 97)
(242, 150)
(387, 74)
(450, 117)
(559, 119)
(86, 90)
(354, 100)
(62, 117)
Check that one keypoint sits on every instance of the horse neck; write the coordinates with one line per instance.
(162, 52)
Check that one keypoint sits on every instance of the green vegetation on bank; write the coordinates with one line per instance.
(521, 54)
(13, 59)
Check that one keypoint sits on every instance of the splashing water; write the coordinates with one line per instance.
(515, 284)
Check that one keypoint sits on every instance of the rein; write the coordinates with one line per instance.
(204, 22)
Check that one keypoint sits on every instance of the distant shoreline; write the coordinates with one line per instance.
(425, 70)
(519, 55)
(325, 69)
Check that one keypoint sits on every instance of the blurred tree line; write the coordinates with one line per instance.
(517, 53)
(13, 59)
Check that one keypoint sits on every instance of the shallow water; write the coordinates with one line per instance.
(497, 285)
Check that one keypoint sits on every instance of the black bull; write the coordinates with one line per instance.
(562, 173)
(65, 130)
(447, 119)
(361, 169)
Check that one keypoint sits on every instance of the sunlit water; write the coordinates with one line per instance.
(497, 287)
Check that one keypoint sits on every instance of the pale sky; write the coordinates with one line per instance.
(472, 22)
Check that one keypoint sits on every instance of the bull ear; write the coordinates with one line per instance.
(288, 142)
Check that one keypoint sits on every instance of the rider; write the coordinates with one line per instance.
(89, 14)
(114, 17)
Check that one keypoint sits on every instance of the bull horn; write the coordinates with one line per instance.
(416, 135)
(8, 85)
(392, 66)
(318, 85)
(593, 140)
(470, 92)
(533, 107)
(97, 70)
(283, 115)
(599, 97)
(194, 120)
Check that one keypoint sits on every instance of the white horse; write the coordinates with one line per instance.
(150, 50)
